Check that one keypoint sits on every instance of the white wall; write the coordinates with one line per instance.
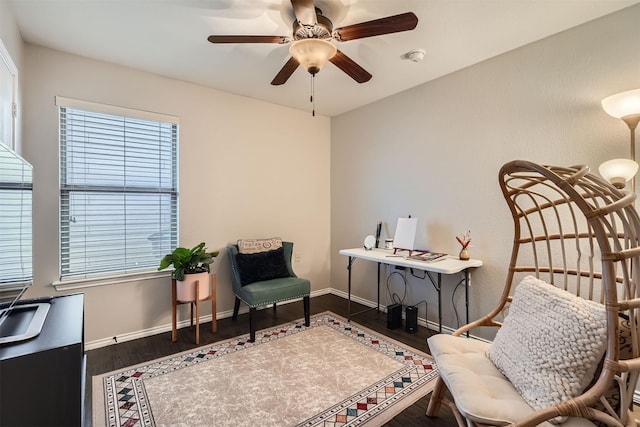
(247, 169)
(9, 33)
(435, 151)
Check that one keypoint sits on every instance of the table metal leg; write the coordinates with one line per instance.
(378, 306)
(349, 289)
(349, 314)
(466, 294)
(440, 303)
(437, 284)
(465, 280)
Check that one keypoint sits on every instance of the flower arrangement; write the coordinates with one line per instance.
(464, 239)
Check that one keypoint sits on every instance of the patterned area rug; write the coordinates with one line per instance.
(332, 373)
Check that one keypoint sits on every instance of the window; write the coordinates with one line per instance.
(118, 189)
(15, 220)
(15, 193)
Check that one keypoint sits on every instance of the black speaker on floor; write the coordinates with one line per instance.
(411, 319)
(394, 316)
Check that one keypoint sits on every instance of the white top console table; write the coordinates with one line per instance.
(447, 265)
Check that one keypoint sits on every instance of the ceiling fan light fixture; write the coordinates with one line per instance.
(312, 54)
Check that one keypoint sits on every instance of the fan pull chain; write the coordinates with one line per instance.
(311, 99)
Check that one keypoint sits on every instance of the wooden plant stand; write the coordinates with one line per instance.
(196, 303)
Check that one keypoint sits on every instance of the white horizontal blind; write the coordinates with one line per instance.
(118, 193)
(15, 219)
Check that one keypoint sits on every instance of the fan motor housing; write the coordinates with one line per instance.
(322, 30)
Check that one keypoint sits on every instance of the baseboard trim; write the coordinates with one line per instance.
(421, 320)
(91, 345)
(104, 342)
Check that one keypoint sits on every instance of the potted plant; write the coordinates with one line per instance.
(190, 265)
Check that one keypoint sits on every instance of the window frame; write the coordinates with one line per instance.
(87, 279)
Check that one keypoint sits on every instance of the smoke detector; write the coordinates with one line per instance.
(415, 55)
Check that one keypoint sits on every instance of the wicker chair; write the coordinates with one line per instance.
(577, 232)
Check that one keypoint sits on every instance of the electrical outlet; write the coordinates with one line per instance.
(297, 256)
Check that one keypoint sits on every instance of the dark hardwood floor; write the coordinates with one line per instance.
(128, 353)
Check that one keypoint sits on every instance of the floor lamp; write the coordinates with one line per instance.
(624, 106)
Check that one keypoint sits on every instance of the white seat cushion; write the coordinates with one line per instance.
(482, 393)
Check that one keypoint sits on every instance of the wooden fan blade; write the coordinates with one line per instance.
(349, 66)
(249, 39)
(305, 11)
(285, 72)
(390, 24)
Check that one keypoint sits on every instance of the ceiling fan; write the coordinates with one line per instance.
(310, 40)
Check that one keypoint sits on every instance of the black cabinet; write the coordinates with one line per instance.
(42, 379)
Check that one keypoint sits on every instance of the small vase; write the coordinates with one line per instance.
(464, 254)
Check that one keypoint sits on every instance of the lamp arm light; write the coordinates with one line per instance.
(623, 105)
(626, 107)
(618, 171)
(631, 120)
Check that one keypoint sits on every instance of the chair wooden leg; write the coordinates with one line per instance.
(306, 303)
(436, 398)
(252, 325)
(236, 308)
(274, 306)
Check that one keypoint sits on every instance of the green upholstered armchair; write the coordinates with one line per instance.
(255, 292)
